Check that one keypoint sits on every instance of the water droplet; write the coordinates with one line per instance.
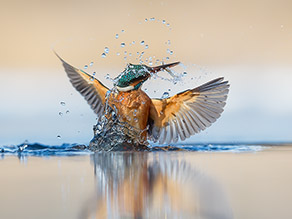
(123, 44)
(135, 119)
(106, 49)
(152, 19)
(137, 53)
(146, 19)
(185, 73)
(171, 52)
(107, 76)
(118, 53)
(163, 21)
(123, 31)
(103, 55)
(125, 52)
(167, 58)
(85, 66)
(165, 95)
(91, 64)
(117, 36)
(167, 25)
(59, 136)
(150, 63)
(142, 42)
(62, 103)
(94, 73)
(130, 54)
(133, 42)
(22, 147)
(146, 46)
(67, 112)
(125, 58)
(92, 78)
(168, 42)
(60, 114)
(169, 89)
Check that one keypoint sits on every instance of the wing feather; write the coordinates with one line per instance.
(89, 87)
(175, 130)
(188, 112)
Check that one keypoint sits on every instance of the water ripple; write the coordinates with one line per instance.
(37, 149)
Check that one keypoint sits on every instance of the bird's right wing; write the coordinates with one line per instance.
(188, 112)
(90, 88)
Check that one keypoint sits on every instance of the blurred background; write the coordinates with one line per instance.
(247, 42)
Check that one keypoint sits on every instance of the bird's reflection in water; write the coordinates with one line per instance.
(152, 185)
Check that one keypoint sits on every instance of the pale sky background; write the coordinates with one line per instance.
(247, 42)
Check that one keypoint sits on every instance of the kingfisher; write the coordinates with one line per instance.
(164, 120)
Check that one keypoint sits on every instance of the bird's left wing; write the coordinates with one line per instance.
(90, 88)
(188, 112)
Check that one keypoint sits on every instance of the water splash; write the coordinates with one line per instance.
(111, 133)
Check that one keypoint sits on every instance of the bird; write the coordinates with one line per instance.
(162, 120)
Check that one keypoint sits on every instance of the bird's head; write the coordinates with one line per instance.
(135, 75)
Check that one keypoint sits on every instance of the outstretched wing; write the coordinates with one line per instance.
(90, 88)
(188, 112)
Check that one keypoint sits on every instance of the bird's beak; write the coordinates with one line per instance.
(162, 67)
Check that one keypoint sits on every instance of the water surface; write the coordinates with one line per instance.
(207, 181)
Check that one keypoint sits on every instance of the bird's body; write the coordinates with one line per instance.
(133, 108)
(163, 120)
